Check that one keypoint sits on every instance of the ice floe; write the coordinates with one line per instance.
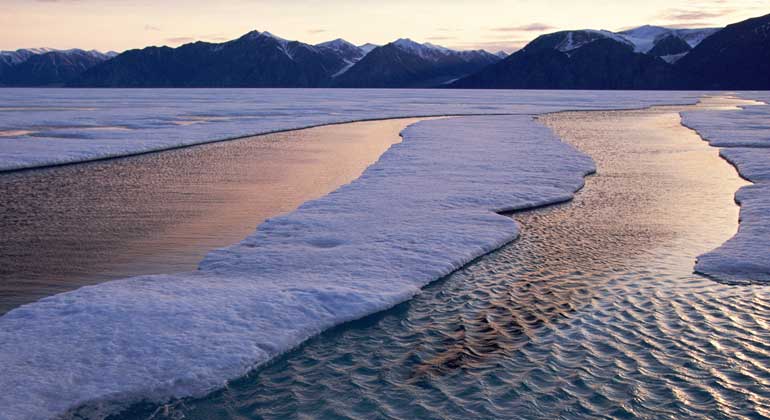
(744, 136)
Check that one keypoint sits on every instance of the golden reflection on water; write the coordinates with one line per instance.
(658, 167)
(14, 133)
(70, 226)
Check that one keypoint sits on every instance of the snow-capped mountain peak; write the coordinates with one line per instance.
(645, 37)
(407, 44)
(338, 44)
(426, 50)
(253, 35)
(256, 36)
(575, 39)
(23, 54)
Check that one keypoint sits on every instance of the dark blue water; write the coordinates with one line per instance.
(593, 313)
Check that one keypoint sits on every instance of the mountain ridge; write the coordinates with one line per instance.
(645, 57)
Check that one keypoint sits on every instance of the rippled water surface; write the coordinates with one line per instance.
(65, 227)
(593, 313)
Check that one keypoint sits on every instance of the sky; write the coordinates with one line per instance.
(493, 25)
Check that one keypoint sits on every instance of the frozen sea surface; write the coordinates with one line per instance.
(424, 210)
(744, 138)
(41, 127)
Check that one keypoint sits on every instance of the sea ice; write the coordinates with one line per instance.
(744, 136)
(75, 125)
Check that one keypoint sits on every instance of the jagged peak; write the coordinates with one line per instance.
(410, 45)
(252, 35)
(337, 44)
(40, 51)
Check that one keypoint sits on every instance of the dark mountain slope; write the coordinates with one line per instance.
(407, 64)
(737, 57)
(574, 60)
(669, 45)
(51, 68)
(253, 60)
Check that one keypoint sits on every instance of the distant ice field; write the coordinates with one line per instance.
(40, 127)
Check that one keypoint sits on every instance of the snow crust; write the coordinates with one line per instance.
(338, 44)
(576, 39)
(75, 125)
(422, 211)
(744, 136)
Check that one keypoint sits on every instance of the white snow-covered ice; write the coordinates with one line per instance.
(744, 138)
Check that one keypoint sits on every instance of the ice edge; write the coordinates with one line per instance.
(744, 143)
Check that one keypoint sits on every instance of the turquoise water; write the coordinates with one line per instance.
(593, 313)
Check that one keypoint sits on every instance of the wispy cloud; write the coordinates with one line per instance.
(180, 39)
(532, 27)
(316, 31)
(216, 37)
(151, 28)
(690, 25)
(695, 15)
(493, 46)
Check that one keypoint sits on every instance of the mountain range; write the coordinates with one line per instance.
(647, 57)
(45, 66)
